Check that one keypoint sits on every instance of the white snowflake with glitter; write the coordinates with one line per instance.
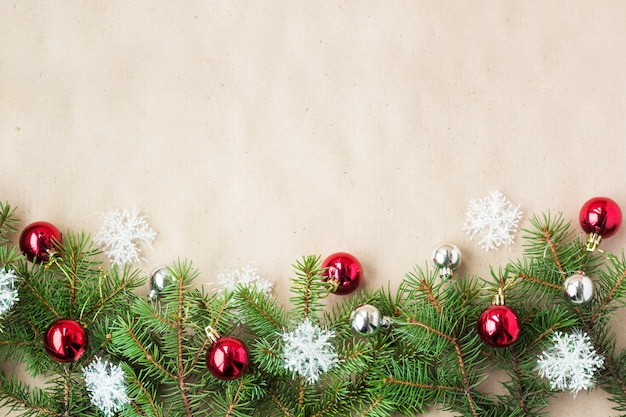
(8, 291)
(493, 220)
(106, 386)
(569, 363)
(308, 351)
(247, 277)
(122, 236)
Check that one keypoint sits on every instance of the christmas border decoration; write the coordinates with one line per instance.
(70, 312)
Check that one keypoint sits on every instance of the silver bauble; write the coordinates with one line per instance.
(367, 320)
(159, 279)
(446, 257)
(578, 288)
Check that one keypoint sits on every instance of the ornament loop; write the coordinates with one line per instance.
(211, 334)
(593, 241)
(498, 299)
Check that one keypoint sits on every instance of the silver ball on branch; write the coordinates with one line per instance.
(447, 257)
(160, 277)
(367, 320)
(578, 288)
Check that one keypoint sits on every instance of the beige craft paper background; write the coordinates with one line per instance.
(258, 132)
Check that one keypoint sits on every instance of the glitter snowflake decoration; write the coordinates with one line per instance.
(247, 277)
(122, 236)
(8, 291)
(308, 351)
(493, 220)
(569, 362)
(106, 386)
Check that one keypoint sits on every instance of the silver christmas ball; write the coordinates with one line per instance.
(446, 257)
(159, 279)
(578, 288)
(366, 320)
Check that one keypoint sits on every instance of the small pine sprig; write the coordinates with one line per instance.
(308, 288)
(8, 222)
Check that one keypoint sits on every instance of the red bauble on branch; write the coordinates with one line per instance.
(38, 239)
(65, 341)
(227, 357)
(498, 326)
(600, 217)
(344, 271)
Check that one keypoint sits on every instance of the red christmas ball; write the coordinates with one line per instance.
(65, 341)
(38, 239)
(345, 270)
(498, 326)
(600, 215)
(227, 358)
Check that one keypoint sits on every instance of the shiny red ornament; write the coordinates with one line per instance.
(38, 239)
(227, 358)
(498, 326)
(601, 216)
(345, 270)
(65, 341)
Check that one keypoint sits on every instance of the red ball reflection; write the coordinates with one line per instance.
(37, 239)
(65, 341)
(227, 358)
(345, 269)
(600, 215)
(498, 326)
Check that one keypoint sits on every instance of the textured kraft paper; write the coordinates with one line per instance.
(259, 132)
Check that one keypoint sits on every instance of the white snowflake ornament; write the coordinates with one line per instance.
(247, 277)
(122, 236)
(308, 351)
(8, 291)
(493, 220)
(106, 386)
(569, 362)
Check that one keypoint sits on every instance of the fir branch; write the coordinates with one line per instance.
(181, 373)
(67, 386)
(616, 288)
(233, 403)
(539, 281)
(262, 313)
(420, 283)
(141, 396)
(30, 400)
(114, 287)
(144, 352)
(301, 389)
(430, 329)
(392, 380)
(36, 292)
(308, 286)
(7, 222)
(467, 387)
(611, 366)
(280, 404)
